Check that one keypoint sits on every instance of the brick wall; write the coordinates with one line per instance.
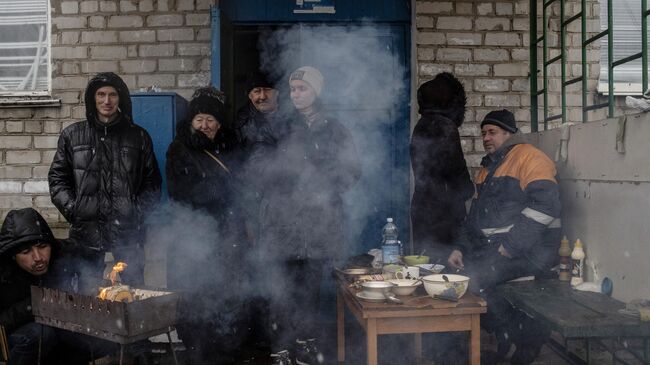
(165, 43)
(486, 45)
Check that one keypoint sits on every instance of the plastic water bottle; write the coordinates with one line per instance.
(390, 246)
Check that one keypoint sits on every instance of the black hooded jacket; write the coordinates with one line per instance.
(20, 228)
(442, 181)
(104, 178)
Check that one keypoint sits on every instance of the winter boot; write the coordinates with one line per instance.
(281, 358)
(307, 352)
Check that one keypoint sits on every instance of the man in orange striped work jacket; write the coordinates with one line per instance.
(512, 230)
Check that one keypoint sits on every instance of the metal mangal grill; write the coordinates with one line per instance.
(151, 313)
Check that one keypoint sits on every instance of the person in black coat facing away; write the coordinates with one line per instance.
(200, 172)
(442, 182)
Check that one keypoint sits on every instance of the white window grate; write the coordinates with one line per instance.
(627, 41)
(25, 66)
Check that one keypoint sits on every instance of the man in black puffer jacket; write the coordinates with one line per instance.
(104, 179)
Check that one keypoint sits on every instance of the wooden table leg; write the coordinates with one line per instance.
(371, 341)
(340, 326)
(417, 344)
(475, 340)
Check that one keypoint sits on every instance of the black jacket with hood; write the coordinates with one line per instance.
(21, 228)
(442, 181)
(104, 178)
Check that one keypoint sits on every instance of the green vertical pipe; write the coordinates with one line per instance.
(545, 56)
(610, 59)
(563, 59)
(533, 66)
(583, 19)
(644, 46)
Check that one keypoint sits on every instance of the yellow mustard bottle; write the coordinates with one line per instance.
(565, 260)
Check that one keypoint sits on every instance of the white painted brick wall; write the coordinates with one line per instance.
(167, 43)
(10, 187)
(495, 74)
(36, 187)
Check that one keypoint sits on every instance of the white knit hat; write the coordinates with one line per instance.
(311, 76)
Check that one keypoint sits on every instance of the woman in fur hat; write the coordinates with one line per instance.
(200, 174)
(442, 182)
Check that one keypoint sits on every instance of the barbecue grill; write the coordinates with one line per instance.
(152, 313)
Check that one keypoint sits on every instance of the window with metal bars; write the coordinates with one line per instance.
(611, 61)
(626, 21)
(25, 67)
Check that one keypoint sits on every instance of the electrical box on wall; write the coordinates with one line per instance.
(158, 113)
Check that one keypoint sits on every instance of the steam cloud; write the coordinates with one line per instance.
(364, 82)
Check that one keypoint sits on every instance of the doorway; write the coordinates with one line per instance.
(375, 107)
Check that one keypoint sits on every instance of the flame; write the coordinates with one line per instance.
(116, 291)
(117, 268)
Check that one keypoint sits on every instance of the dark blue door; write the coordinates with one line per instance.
(158, 114)
(376, 111)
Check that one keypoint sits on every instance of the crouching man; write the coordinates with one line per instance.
(28, 254)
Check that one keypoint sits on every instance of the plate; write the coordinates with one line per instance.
(359, 271)
(361, 296)
(434, 268)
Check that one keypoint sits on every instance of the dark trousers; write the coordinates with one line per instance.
(294, 296)
(487, 269)
(56, 346)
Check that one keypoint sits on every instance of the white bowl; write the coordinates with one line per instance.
(435, 284)
(405, 286)
(376, 289)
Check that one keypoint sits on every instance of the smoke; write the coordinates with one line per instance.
(364, 87)
(208, 264)
(364, 82)
(361, 68)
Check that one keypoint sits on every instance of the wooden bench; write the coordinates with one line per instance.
(577, 315)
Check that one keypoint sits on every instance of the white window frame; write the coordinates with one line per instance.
(8, 96)
(627, 41)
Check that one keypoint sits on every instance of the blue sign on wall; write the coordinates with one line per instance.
(314, 7)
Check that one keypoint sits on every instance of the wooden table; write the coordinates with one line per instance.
(419, 314)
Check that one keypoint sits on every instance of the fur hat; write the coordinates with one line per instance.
(311, 76)
(258, 79)
(207, 100)
(501, 118)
